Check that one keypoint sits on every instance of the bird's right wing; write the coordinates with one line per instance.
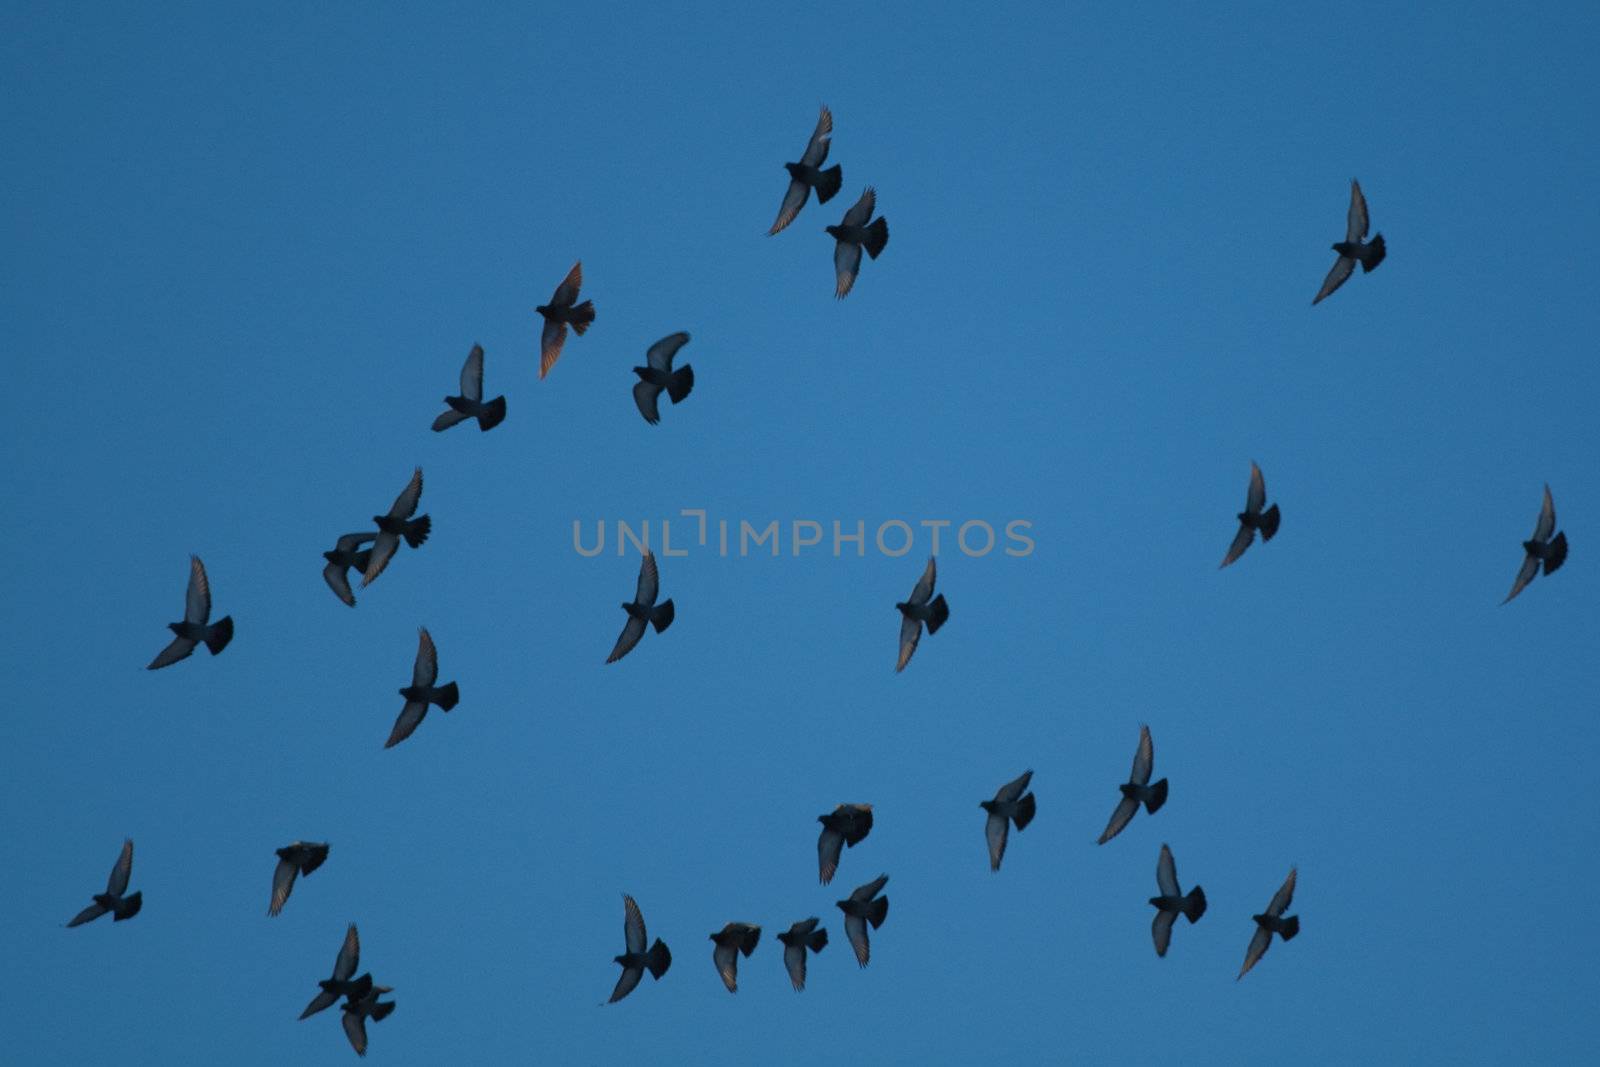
(816, 152)
(349, 958)
(1161, 930)
(660, 354)
(726, 957)
(197, 603)
(1355, 228)
(996, 829)
(1257, 949)
(1144, 758)
(117, 884)
(355, 1028)
(472, 374)
(93, 911)
(1012, 790)
(860, 212)
(794, 198)
(406, 724)
(338, 579)
(846, 265)
(566, 293)
(1241, 541)
(626, 982)
(550, 342)
(1336, 277)
(794, 961)
(425, 671)
(1530, 567)
(1255, 497)
(649, 580)
(180, 648)
(645, 396)
(910, 634)
(633, 935)
(855, 928)
(282, 883)
(405, 505)
(864, 893)
(922, 592)
(383, 550)
(632, 631)
(1167, 874)
(1119, 819)
(1284, 896)
(829, 846)
(1547, 518)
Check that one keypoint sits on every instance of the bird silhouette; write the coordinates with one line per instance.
(195, 628)
(635, 961)
(731, 940)
(394, 526)
(1272, 922)
(470, 404)
(347, 552)
(1351, 250)
(422, 691)
(1172, 902)
(643, 610)
(1541, 548)
(658, 375)
(918, 611)
(301, 857)
(1009, 805)
(854, 233)
(1252, 518)
(563, 311)
(1137, 789)
(799, 937)
(847, 824)
(806, 175)
(343, 983)
(113, 899)
(862, 907)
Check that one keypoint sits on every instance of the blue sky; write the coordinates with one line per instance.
(249, 250)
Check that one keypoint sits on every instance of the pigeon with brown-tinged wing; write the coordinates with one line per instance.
(1172, 902)
(846, 825)
(919, 610)
(113, 899)
(343, 983)
(807, 174)
(658, 376)
(195, 627)
(635, 961)
(357, 1010)
(1011, 804)
(470, 404)
(563, 311)
(1137, 789)
(799, 937)
(1541, 548)
(1272, 922)
(347, 552)
(731, 940)
(854, 233)
(643, 611)
(1252, 518)
(1352, 249)
(864, 906)
(422, 691)
(396, 525)
(301, 857)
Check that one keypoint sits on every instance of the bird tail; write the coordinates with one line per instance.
(1024, 814)
(1196, 904)
(219, 633)
(417, 531)
(1557, 553)
(1269, 522)
(1291, 926)
(818, 940)
(877, 237)
(130, 907)
(1157, 797)
(582, 316)
(493, 414)
(940, 611)
(447, 697)
(1375, 254)
(828, 183)
(879, 912)
(681, 382)
(659, 959)
(662, 614)
(381, 1012)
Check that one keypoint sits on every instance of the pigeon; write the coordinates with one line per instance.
(1009, 805)
(799, 937)
(422, 692)
(636, 960)
(861, 909)
(732, 940)
(559, 314)
(846, 825)
(853, 234)
(342, 984)
(194, 628)
(659, 375)
(918, 610)
(470, 405)
(1272, 922)
(1172, 901)
(347, 552)
(1542, 548)
(1351, 249)
(302, 857)
(1252, 518)
(396, 525)
(643, 609)
(1137, 789)
(357, 1009)
(804, 175)
(112, 900)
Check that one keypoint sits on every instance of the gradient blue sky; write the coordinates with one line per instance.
(248, 251)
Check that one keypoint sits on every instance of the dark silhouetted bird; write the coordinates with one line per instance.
(643, 610)
(302, 857)
(635, 961)
(805, 175)
(1542, 548)
(347, 552)
(1252, 518)
(470, 404)
(799, 937)
(845, 825)
(342, 984)
(1137, 789)
(1272, 922)
(422, 692)
(860, 910)
(194, 628)
(396, 525)
(1171, 902)
(853, 234)
(732, 940)
(659, 375)
(1009, 805)
(1351, 249)
(918, 610)
(563, 311)
(112, 900)
(358, 1009)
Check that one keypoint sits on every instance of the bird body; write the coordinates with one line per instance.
(563, 311)
(658, 376)
(731, 940)
(861, 908)
(854, 233)
(299, 858)
(1172, 902)
(921, 609)
(799, 937)
(1011, 804)
(846, 825)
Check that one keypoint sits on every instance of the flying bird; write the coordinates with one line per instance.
(635, 961)
(1541, 549)
(805, 175)
(799, 937)
(347, 552)
(845, 825)
(853, 234)
(1272, 922)
(659, 375)
(342, 984)
(1172, 902)
(194, 628)
(643, 609)
(1252, 518)
(470, 404)
(113, 900)
(422, 692)
(561, 312)
(861, 909)
(396, 525)
(1137, 789)
(732, 940)
(1009, 805)
(302, 857)
(358, 1009)
(1351, 249)
(918, 610)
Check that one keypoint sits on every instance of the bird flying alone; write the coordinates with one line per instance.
(643, 610)
(1137, 789)
(302, 857)
(1272, 922)
(799, 937)
(862, 907)
(845, 826)
(113, 899)
(1252, 518)
(731, 940)
(343, 983)
(854, 233)
(1172, 902)
(918, 610)
(1011, 804)
(806, 175)
(396, 525)
(1352, 250)
(1541, 548)
(635, 961)
(422, 691)
(470, 404)
(195, 628)
(347, 552)
(658, 376)
(563, 311)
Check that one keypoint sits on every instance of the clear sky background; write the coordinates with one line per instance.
(247, 252)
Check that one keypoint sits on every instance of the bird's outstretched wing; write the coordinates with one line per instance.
(472, 374)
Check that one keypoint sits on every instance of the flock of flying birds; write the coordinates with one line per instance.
(369, 553)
